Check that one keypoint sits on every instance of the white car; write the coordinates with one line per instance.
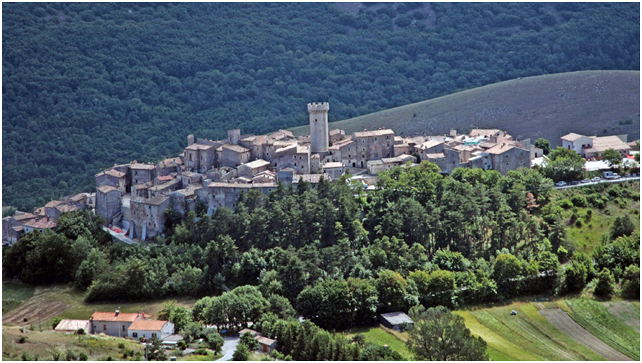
(561, 184)
(596, 179)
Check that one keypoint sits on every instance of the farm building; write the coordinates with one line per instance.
(396, 321)
(265, 344)
(72, 325)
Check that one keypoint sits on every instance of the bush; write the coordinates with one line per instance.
(579, 201)
(121, 345)
(55, 322)
(241, 353)
(181, 345)
(83, 356)
(200, 351)
(26, 356)
(69, 355)
(566, 204)
(631, 284)
(578, 224)
(22, 339)
(605, 283)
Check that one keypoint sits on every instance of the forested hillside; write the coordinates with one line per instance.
(86, 85)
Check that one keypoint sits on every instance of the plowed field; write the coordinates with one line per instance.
(34, 309)
(627, 312)
(564, 322)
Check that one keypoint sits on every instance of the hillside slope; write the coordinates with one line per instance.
(546, 106)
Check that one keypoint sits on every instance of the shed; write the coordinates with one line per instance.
(266, 344)
(396, 320)
(72, 325)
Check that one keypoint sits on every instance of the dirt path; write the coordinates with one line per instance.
(564, 322)
(31, 310)
(625, 311)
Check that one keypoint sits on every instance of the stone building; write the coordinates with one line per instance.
(200, 157)
(233, 155)
(148, 216)
(372, 145)
(115, 324)
(114, 178)
(108, 202)
(142, 173)
(169, 166)
(189, 178)
(164, 188)
(334, 170)
(293, 156)
(594, 146)
(319, 138)
(217, 195)
(337, 135)
(252, 168)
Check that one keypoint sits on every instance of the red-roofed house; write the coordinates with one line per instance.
(151, 328)
(114, 323)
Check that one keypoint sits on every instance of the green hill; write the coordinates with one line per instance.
(549, 106)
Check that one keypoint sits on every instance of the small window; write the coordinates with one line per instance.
(153, 335)
(104, 326)
(135, 335)
(123, 327)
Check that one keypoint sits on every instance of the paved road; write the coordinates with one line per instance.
(229, 346)
(622, 179)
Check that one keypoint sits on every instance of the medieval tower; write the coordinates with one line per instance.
(319, 127)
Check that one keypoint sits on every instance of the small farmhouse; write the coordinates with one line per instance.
(151, 328)
(72, 325)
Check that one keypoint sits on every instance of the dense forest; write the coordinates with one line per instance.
(86, 85)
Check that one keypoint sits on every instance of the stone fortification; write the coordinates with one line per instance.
(319, 137)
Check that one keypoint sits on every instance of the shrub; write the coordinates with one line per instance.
(631, 284)
(566, 204)
(22, 339)
(605, 283)
(26, 356)
(121, 345)
(181, 345)
(55, 322)
(200, 351)
(69, 355)
(579, 201)
(83, 356)
(562, 254)
(578, 224)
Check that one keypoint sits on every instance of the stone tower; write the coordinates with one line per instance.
(319, 126)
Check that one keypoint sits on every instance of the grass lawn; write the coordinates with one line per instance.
(595, 317)
(14, 294)
(379, 336)
(256, 356)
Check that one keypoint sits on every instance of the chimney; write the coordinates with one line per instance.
(117, 312)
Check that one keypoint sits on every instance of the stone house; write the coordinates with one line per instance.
(252, 168)
(266, 176)
(150, 329)
(108, 202)
(232, 155)
(217, 195)
(115, 324)
(396, 321)
(200, 157)
(164, 188)
(161, 179)
(293, 156)
(148, 216)
(184, 200)
(189, 178)
(12, 226)
(115, 178)
(39, 225)
(142, 173)
(505, 157)
(594, 146)
(169, 166)
(337, 135)
(334, 170)
(373, 145)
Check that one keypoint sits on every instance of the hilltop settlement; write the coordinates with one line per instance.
(133, 197)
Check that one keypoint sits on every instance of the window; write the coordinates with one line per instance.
(123, 327)
(153, 335)
(104, 326)
(134, 335)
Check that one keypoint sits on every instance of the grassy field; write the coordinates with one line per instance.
(45, 344)
(590, 233)
(14, 294)
(381, 336)
(546, 106)
(530, 336)
(596, 318)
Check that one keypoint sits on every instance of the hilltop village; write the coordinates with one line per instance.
(133, 197)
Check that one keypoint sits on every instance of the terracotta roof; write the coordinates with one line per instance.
(67, 208)
(78, 197)
(165, 178)
(337, 132)
(572, 137)
(265, 340)
(42, 223)
(22, 217)
(374, 133)
(111, 316)
(153, 325)
(115, 173)
(499, 149)
(601, 144)
(483, 132)
(18, 228)
(106, 189)
(53, 204)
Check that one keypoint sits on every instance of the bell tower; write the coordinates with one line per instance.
(319, 137)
